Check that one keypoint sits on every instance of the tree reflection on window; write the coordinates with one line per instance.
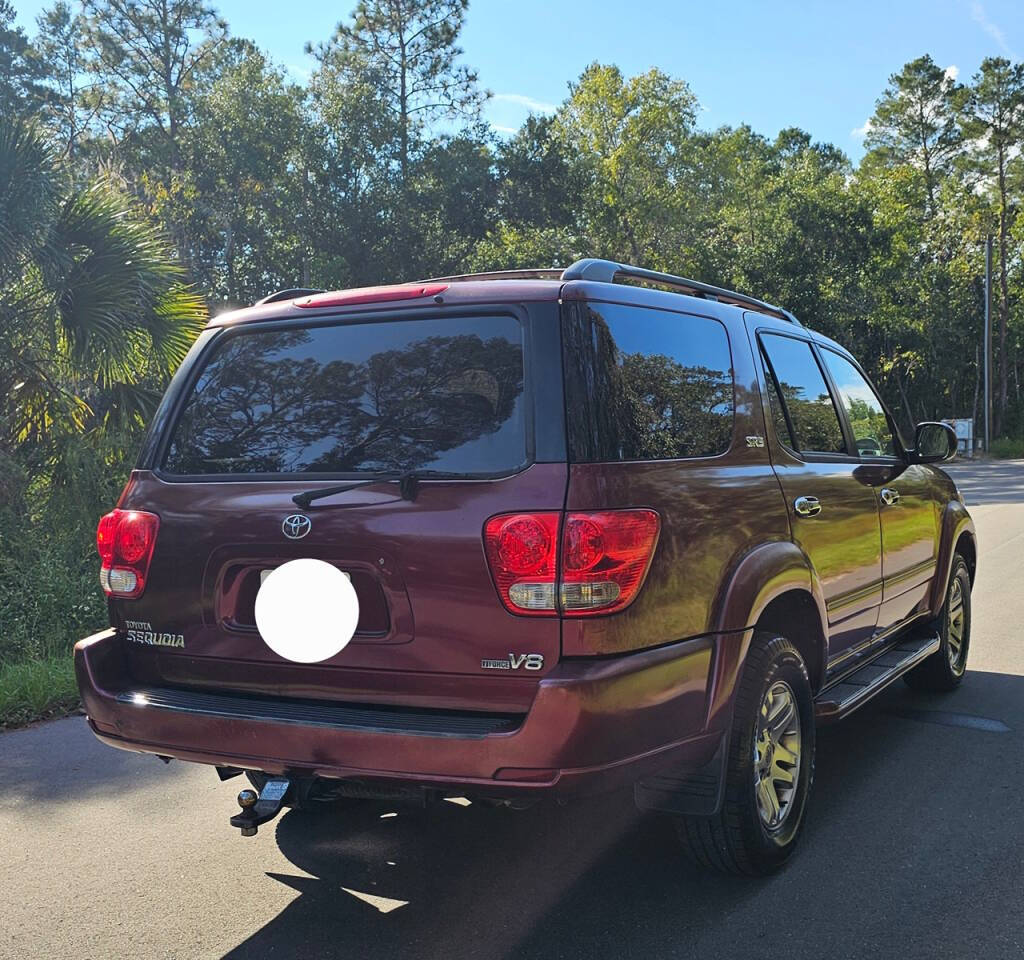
(814, 419)
(307, 401)
(647, 385)
(805, 397)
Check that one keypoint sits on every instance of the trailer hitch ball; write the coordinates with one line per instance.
(246, 800)
(260, 807)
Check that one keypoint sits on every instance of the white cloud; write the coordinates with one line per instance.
(979, 16)
(861, 132)
(538, 106)
(501, 129)
(952, 72)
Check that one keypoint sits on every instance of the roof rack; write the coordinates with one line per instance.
(290, 294)
(607, 271)
(536, 273)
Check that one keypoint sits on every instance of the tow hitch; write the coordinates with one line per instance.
(259, 808)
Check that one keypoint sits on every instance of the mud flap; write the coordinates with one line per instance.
(697, 794)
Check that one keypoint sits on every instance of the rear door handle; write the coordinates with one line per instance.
(889, 496)
(807, 506)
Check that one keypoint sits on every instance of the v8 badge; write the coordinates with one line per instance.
(515, 661)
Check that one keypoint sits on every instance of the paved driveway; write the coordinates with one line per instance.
(913, 848)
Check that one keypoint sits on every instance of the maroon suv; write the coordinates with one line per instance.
(601, 533)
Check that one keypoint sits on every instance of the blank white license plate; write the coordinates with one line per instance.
(266, 573)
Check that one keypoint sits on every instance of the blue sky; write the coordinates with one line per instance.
(817, 65)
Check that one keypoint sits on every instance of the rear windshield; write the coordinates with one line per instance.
(444, 394)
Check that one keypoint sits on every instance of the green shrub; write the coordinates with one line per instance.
(49, 588)
(1007, 448)
(49, 581)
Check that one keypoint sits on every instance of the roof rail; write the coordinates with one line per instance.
(534, 273)
(607, 271)
(290, 294)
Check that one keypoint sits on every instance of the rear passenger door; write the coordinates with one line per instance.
(906, 499)
(833, 514)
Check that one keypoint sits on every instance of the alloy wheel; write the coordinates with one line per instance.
(957, 626)
(777, 754)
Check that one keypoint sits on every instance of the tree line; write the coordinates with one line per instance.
(380, 168)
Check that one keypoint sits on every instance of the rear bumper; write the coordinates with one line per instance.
(593, 725)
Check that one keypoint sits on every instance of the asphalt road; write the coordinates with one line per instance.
(913, 848)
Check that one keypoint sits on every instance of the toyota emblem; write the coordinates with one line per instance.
(296, 526)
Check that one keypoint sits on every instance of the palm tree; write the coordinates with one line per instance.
(94, 314)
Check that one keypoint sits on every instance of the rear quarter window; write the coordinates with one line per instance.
(442, 393)
(645, 384)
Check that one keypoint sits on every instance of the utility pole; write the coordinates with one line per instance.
(988, 338)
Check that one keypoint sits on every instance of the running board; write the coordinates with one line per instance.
(853, 691)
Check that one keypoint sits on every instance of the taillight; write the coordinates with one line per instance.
(605, 557)
(604, 560)
(521, 549)
(125, 541)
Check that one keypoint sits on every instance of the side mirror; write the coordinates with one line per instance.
(933, 442)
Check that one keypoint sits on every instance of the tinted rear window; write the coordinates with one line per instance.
(443, 394)
(799, 388)
(645, 384)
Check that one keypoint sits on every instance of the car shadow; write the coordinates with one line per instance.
(598, 879)
(466, 882)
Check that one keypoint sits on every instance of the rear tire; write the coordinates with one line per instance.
(770, 767)
(945, 668)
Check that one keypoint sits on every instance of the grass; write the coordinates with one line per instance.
(36, 690)
(1006, 448)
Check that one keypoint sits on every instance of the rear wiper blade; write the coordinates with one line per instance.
(407, 485)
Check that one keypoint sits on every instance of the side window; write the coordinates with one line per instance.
(644, 384)
(800, 391)
(871, 429)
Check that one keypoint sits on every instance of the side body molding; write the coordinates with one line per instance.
(761, 575)
(955, 522)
